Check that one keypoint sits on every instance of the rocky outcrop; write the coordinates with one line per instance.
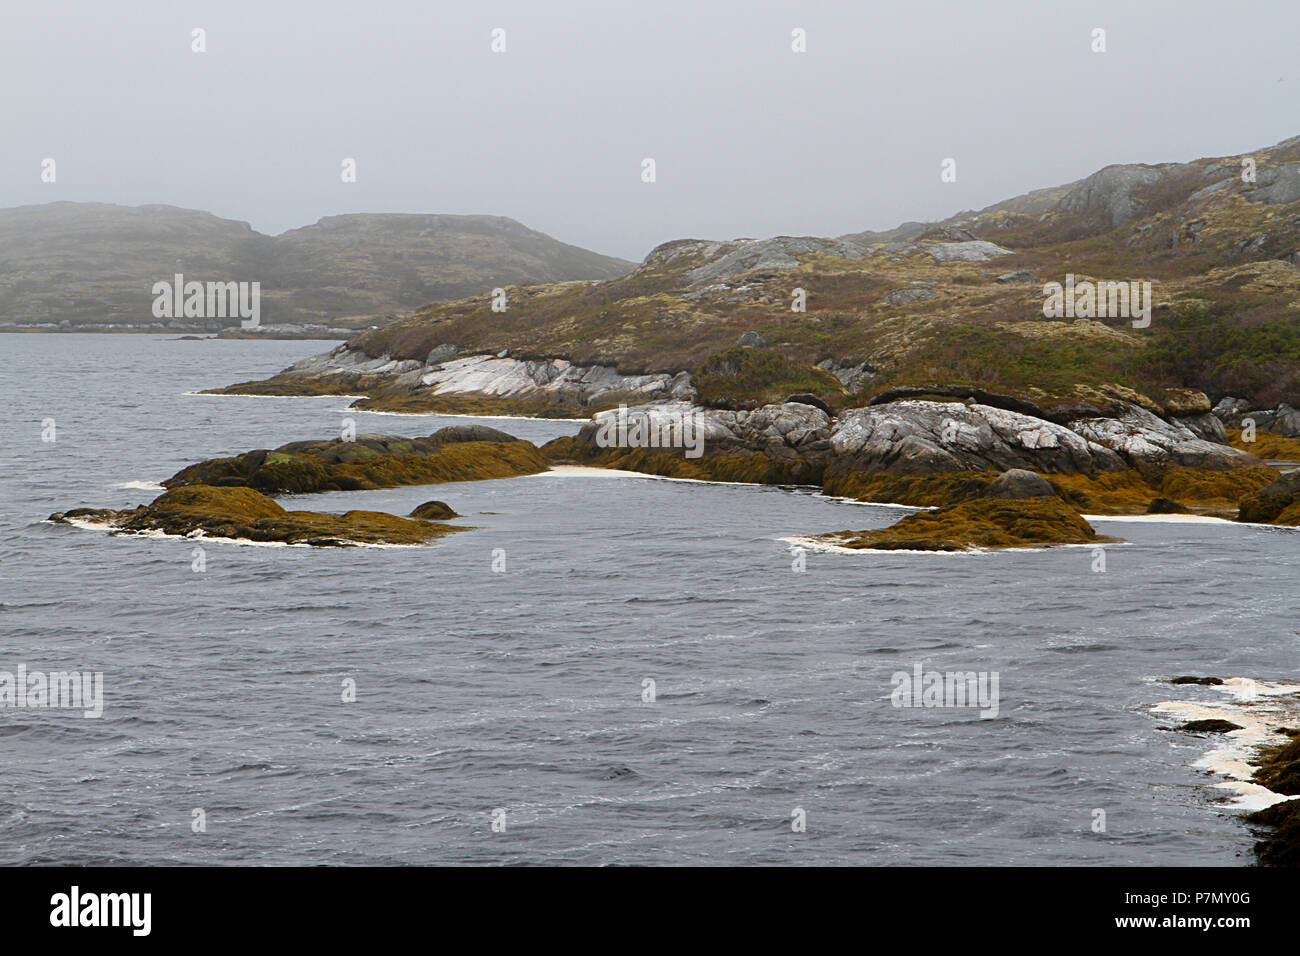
(983, 523)
(1283, 420)
(1276, 185)
(912, 438)
(1146, 442)
(411, 385)
(919, 437)
(1276, 503)
(1109, 192)
(927, 453)
(750, 255)
(458, 453)
(247, 515)
(975, 251)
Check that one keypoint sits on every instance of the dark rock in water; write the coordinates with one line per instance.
(433, 511)
(1019, 483)
(813, 400)
(1196, 680)
(1165, 506)
(1210, 726)
(752, 338)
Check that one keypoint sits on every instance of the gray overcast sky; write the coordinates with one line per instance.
(749, 138)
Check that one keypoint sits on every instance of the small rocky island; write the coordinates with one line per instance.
(228, 497)
(1020, 509)
(243, 514)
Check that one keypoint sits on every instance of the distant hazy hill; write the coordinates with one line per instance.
(95, 263)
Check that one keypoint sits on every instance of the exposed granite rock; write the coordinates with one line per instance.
(1229, 406)
(917, 437)
(1109, 192)
(1146, 442)
(1207, 426)
(852, 377)
(780, 252)
(1276, 185)
(410, 385)
(976, 251)
(913, 437)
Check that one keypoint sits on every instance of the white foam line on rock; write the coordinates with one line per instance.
(814, 544)
(499, 418)
(1177, 519)
(200, 536)
(1255, 706)
(240, 395)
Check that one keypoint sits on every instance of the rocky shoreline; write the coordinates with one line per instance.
(938, 454)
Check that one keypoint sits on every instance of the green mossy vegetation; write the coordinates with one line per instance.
(749, 377)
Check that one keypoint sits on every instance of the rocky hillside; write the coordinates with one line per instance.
(939, 309)
(94, 263)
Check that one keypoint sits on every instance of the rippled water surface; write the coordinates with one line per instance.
(522, 690)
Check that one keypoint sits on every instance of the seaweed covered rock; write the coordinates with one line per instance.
(1276, 503)
(457, 453)
(433, 511)
(246, 514)
(975, 525)
(1279, 771)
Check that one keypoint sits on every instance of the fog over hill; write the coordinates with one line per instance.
(94, 264)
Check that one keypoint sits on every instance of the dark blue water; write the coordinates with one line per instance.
(522, 690)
